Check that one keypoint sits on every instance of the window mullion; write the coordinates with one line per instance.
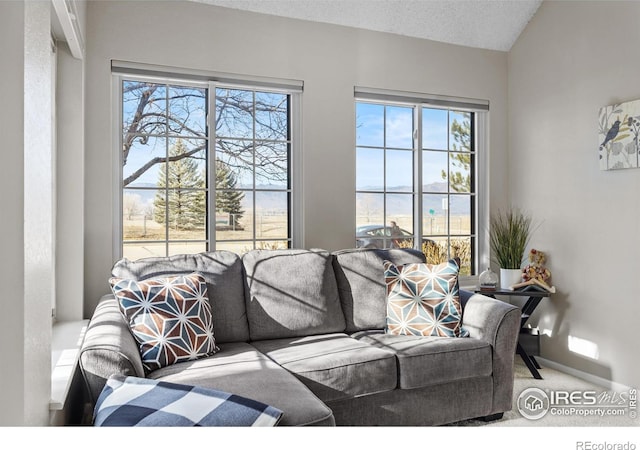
(211, 166)
(253, 160)
(417, 176)
(448, 184)
(385, 219)
(166, 172)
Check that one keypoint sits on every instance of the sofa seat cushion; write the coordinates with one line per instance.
(430, 360)
(240, 369)
(291, 293)
(334, 366)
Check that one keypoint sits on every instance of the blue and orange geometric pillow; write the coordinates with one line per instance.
(423, 300)
(169, 317)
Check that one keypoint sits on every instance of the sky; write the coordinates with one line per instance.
(398, 133)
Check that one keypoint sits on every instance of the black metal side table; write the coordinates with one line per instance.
(527, 309)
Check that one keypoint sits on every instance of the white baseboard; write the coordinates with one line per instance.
(599, 381)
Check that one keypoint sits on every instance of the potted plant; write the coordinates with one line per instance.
(509, 236)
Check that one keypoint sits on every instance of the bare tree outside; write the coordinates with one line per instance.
(165, 174)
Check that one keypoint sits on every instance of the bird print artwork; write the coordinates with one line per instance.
(619, 136)
(611, 134)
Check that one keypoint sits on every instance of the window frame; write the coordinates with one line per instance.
(209, 82)
(385, 148)
(168, 82)
(480, 170)
(294, 231)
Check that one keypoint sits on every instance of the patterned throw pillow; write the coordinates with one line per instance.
(169, 317)
(423, 300)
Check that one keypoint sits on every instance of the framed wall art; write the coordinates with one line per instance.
(619, 136)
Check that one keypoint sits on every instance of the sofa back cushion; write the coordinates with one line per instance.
(291, 293)
(361, 283)
(222, 270)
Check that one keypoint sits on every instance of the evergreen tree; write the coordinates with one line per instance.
(228, 198)
(460, 181)
(185, 197)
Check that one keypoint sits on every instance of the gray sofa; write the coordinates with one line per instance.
(303, 331)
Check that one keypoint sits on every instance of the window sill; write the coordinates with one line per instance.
(65, 350)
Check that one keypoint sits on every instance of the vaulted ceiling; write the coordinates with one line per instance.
(488, 24)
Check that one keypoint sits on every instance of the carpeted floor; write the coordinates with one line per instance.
(554, 380)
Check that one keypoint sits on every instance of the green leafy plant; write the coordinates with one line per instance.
(509, 236)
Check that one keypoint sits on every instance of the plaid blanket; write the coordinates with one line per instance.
(133, 401)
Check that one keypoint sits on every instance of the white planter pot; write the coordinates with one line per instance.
(509, 277)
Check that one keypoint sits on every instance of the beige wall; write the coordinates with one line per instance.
(11, 237)
(27, 226)
(39, 210)
(572, 59)
(70, 186)
(331, 60)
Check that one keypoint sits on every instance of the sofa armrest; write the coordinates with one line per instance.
(109, 348)
(497, 323)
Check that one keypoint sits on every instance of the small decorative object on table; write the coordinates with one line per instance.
(509, 234)
(488, 280)
(535, 275)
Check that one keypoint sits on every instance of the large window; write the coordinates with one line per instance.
(385, 188)
(203, 167)
(253, 183)
(416, 179)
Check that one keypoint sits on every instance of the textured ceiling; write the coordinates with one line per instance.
(490, 24)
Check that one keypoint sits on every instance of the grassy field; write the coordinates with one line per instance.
(271, 232)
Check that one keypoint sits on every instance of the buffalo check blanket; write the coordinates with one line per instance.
(133, 401)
